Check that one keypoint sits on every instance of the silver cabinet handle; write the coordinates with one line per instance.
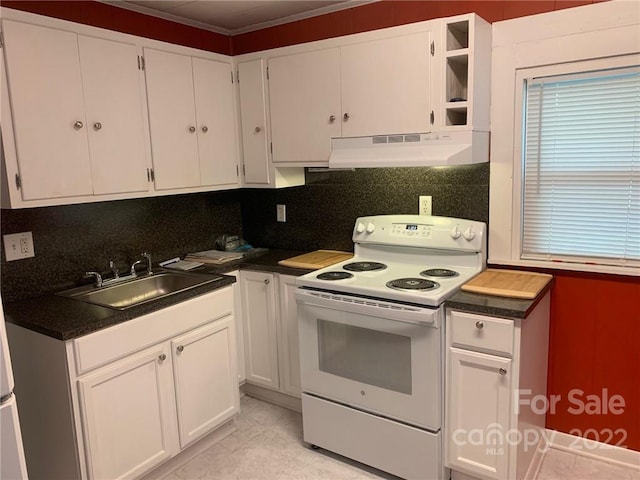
(180, 348)
(346, 117)
(266, 281)
(502, 371)
(257, 129)
(332, 118)
(97, 126)
(479, 325)
(162, 357)
(192, 129)
(78, 125)
(205, 129)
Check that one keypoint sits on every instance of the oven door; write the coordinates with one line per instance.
(380, 357)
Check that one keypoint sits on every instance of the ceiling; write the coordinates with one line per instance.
(235, 16)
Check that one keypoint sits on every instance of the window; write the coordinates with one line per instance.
(581, 168)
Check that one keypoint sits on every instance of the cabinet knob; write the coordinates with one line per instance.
(97, 126)
(78, 125)
(502, 371)
(267, 281)
(257, 129)
(205, 129)
(479, 325)
(332, 118)
(162, 357)
(192, 129)
(346, 117)
(180, 348)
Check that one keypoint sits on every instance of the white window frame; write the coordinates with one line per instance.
(593, 37)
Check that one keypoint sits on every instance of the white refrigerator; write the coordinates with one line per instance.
(12, 463)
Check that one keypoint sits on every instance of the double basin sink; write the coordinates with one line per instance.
(139, 290)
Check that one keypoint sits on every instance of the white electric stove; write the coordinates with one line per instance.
(372, 341)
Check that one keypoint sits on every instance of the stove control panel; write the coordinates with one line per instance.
(411, 230)
(423, 231)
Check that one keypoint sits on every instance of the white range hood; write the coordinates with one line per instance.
(410, 150)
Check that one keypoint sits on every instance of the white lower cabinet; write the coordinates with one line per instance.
(270, 331)
(494, 366)
(122, 400)
(128, 415)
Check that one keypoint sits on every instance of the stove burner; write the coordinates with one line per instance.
(439, 272)
(412, 284)
(334, 276)
(364, 266)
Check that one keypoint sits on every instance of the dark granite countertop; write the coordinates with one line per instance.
(495, 306)
(65, 318)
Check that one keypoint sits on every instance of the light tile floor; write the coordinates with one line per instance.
(267, 445)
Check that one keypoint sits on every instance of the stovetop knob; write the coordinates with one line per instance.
(455, 233)
(360, 227)
(469, 234)
(370, 227)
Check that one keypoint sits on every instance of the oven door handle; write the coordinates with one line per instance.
(428, 317)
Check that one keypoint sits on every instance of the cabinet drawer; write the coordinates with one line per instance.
(482, 333)
(107, 345)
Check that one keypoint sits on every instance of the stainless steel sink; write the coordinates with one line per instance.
(139, 290)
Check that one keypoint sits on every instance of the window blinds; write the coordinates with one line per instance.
(581, 171)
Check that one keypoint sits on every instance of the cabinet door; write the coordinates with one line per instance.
(304, 98)
(385, 86)
(113, 101)
(479, 402)
(206, 380)
(260, 336)
(216, 122)
(289, 352)
(172, 119)
(253, 115)
(43, 71)
(128, 415)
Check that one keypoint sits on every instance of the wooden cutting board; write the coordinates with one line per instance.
(508, 283)
(317, 259)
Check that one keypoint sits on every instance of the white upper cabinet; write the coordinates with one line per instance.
(385, 86)
(367, 88)
(172, 119)
(257, 168)
(76, 114)
(255, 149)
(191, 118)
(215, 122)
(304, 95)
(115, 121)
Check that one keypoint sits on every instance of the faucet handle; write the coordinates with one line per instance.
(114, 269)
(98, 282)
(148, 257)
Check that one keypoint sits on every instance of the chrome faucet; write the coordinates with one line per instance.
(147, 256)
(98, 282)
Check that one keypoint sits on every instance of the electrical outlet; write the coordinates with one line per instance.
(425, 205)
(18, 246)
(281, 213)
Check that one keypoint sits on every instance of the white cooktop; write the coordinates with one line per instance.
(408, 245)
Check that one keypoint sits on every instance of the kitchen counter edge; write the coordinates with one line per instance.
(504, 307)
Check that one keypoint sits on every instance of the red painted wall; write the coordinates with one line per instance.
(126, 21)
(595, 345)
(388, 14)
(595, 319)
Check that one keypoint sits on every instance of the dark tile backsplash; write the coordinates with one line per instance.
(71, 239)
(322, 213)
